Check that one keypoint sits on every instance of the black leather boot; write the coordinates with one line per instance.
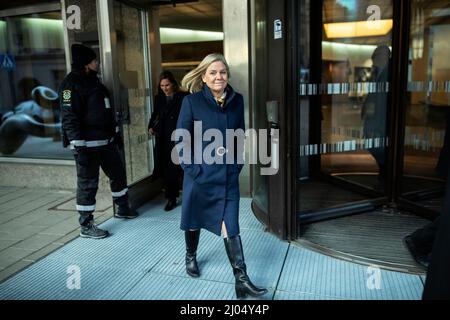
(124, 210)
(171, 204)
(192, 238)
(244, 286)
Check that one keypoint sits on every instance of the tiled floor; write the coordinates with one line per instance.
(35, 222)
(144, 259)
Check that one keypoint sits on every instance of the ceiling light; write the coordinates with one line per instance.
(173, 35)
(358, 28)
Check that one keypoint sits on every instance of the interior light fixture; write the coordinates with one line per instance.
(42, 22)
(358, 28)
(174, 35)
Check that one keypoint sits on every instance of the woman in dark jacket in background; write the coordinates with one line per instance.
(211, 190)
(162, 123)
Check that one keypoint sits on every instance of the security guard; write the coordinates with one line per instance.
(90, 129)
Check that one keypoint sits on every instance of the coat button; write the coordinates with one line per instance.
(221, 151)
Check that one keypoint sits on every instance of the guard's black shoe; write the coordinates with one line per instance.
(126, 213)
(171, 204)
(92, 231)
(420, 258)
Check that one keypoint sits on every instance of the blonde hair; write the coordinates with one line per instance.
(193, 82)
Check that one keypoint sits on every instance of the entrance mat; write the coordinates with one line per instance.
(371, 238)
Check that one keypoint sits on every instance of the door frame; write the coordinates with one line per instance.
(279, 202)
(399, 93)
(277, 218)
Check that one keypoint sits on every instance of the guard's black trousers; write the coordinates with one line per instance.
(88, 163)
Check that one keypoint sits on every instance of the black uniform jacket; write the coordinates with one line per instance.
(86, 113)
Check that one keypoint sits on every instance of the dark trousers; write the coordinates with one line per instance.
(379, 153)
(444, 156)
(158, 170)
(88, 162)
(437, 284)
(423, 238)
(172, 176)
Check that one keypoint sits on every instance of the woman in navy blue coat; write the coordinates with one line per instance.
(211, 188)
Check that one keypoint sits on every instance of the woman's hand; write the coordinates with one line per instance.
(151, 131)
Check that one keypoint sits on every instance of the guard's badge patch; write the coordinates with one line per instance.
(67, 95)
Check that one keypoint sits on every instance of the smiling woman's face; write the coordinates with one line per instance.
(216, 77)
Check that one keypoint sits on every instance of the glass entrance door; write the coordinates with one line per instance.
(125, 56)
(426, 144)
(355, 150)
(133, 82)
(343, 110)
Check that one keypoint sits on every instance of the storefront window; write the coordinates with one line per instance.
(32, 66)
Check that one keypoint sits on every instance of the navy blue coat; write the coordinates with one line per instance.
(211, 191)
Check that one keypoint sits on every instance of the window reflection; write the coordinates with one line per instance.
(347, 114)
(426, 146)
(355, 72)
(32, 65)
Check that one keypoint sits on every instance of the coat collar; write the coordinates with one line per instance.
(210, 97)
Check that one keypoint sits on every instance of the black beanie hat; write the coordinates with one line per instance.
(82, 55)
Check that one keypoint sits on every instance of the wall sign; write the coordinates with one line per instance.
(277, 29)
(7, 62)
